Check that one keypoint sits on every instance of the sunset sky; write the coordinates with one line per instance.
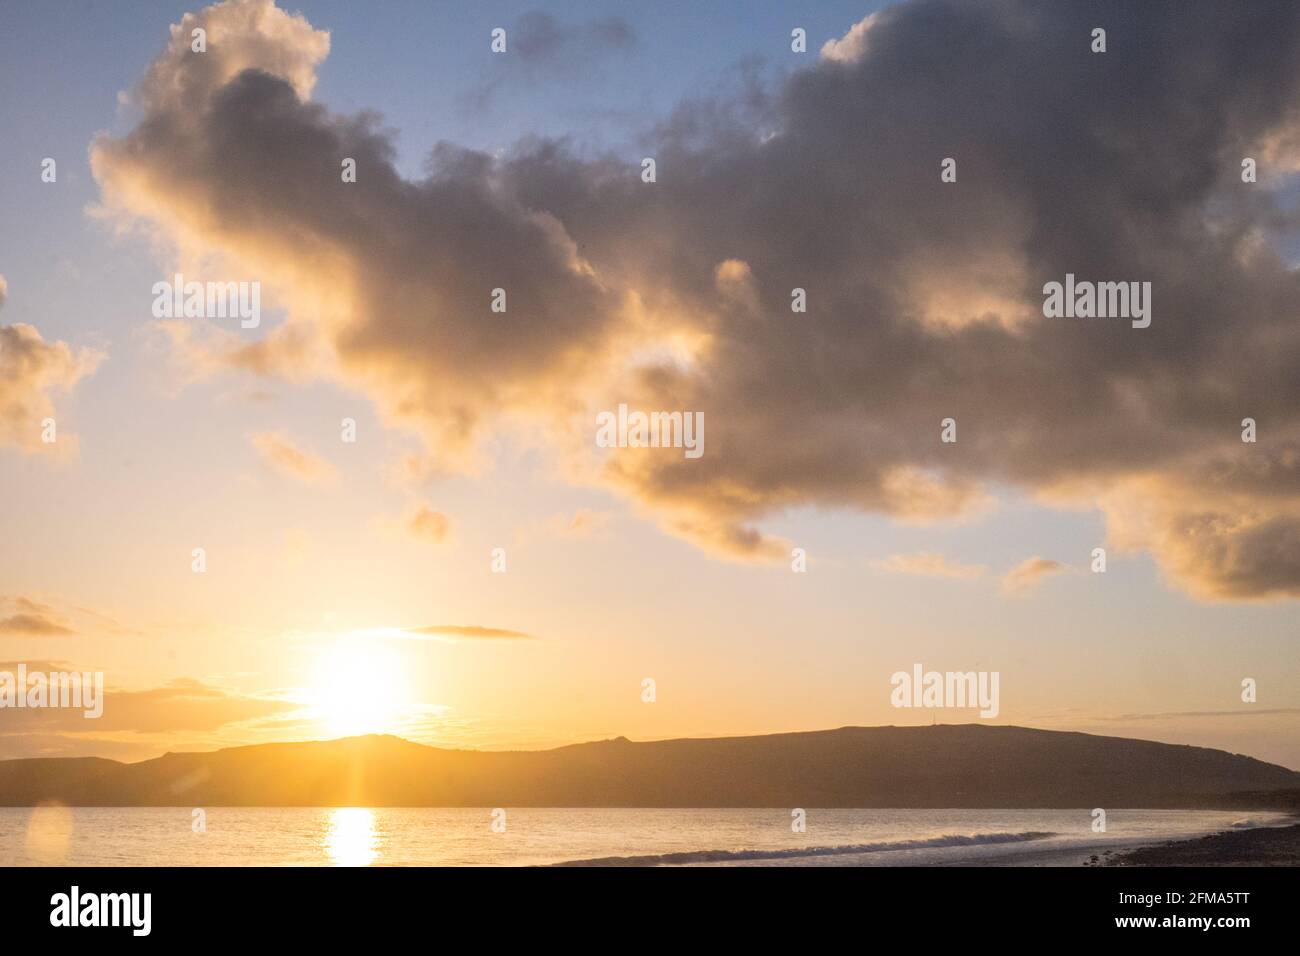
(349, 586)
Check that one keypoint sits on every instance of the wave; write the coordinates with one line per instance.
(1255, 823)
(723, 856)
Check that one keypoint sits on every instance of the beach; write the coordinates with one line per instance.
(1264, 846)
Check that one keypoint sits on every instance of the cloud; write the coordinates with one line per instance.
(248, 34)
(288, 459)
(540, 48)
(929, 565)
(30, 370)
(42, 666)
(182, 705)
(924, 297)
(20, 615)
(538, 38)
(1243, 712)
(25, 746)
(428, 525)
(358, 277)
(1028, 574)
(853, 45)
(1228, 529)
(27, 604)
(466, 631)
(735, 280)
(33, 625)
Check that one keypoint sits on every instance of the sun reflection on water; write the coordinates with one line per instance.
(351, 839)
(49, 833)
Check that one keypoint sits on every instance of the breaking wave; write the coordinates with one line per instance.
(723, 856)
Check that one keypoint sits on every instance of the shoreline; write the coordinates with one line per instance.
(1257, 846)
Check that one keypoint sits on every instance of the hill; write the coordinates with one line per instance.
(945, 766)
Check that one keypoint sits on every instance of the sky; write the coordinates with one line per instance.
(349, 586)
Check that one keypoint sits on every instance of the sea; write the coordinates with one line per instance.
(493, 836)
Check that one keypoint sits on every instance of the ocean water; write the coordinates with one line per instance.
(357, 836)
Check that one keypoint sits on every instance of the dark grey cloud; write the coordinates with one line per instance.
(539, 38)
(924, 297)
(541, 48)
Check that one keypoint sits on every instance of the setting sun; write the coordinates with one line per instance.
(358, 687)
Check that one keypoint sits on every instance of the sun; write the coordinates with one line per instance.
(358, 686)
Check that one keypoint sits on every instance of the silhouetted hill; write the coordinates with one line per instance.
(945, 766)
